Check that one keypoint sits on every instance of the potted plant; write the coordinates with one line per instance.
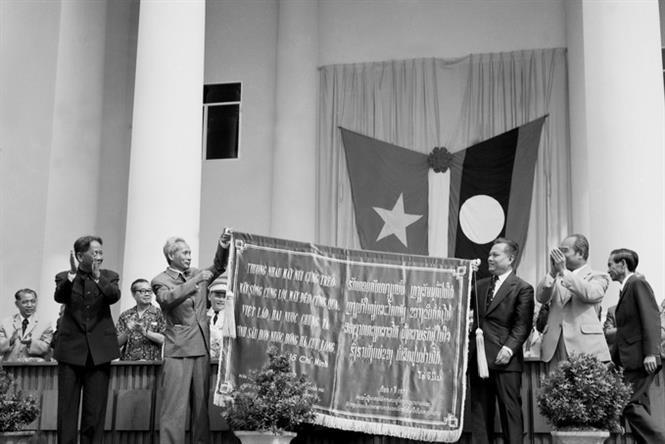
(16, 411)
(583, 399)
(269, 406)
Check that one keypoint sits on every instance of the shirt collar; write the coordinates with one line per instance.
(175, 273)
(623, 283)
(501, 278)
(578, 270)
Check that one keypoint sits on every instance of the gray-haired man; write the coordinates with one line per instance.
(181, 291)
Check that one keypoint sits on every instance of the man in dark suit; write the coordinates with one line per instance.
(504, 307)
(87, 341)
(637, 343)
(181, 291)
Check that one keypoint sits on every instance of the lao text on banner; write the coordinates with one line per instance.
(382, 335)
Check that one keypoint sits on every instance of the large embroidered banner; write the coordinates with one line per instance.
(382, 335)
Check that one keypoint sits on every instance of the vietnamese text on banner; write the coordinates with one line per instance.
(382, 335)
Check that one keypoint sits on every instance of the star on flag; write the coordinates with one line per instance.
(396, 220)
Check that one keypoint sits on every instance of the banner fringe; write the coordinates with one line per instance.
(389, 429)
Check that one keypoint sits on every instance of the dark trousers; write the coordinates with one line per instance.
(505, 388)
(644, 427)
(94, 381)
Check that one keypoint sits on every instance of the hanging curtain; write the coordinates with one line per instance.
(423, 103)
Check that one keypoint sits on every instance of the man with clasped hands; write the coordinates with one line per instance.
(181, 291)
(87, 341)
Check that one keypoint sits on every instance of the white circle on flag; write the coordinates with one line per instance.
(481, 218)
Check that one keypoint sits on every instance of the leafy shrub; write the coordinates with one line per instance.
(583, 393)
(274, 399)
(16, 410)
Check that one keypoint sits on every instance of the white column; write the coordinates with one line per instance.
(164, 193)
(73, 182)
(294, 164)
(617, 115)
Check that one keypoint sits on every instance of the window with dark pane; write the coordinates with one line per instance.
(221, 114)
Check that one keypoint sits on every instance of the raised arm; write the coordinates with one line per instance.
(587, 291)
(63, 288)
(108, 286)
(41, 345)
(169, 296)
(544, 289)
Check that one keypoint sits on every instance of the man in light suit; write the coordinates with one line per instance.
(637, 343)
(181, 291)
(574, 293)
(87, 341)
(504, 306)
(24, 337)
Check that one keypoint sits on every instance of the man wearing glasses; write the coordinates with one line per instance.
(141, 328)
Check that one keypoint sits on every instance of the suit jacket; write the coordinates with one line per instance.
(507, 321)
(574, 301)
(610, 328)
(184, 305)
(638, 324)
(40, 332)
(86, 325)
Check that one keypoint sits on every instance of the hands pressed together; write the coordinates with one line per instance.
(557, 262)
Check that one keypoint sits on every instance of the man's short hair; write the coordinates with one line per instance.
(581, 245)
(171, 246)
(82, 244)
(512, 246)
(23, 291)
(624, 254)
(138, 281)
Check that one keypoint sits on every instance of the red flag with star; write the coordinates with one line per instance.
(389, 186)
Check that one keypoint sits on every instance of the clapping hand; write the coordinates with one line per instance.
(27, 340)
(95, 269)
(557, 262)
(73, 263)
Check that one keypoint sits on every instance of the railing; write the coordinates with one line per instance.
(132, 414)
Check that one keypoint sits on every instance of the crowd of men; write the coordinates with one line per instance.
(85, 339)
(570, 295)
(185, 331)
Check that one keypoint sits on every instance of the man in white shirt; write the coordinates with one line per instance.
(217, 298)
(574, 293)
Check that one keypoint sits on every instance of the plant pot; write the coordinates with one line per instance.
(20, 437)
(264, 437)
(580, 436)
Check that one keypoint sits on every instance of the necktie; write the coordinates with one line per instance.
(490, 291)
(214, 318)
(24, 326)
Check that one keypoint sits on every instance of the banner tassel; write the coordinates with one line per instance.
(483, 370)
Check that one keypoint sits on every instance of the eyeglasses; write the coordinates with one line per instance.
(141, 291)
